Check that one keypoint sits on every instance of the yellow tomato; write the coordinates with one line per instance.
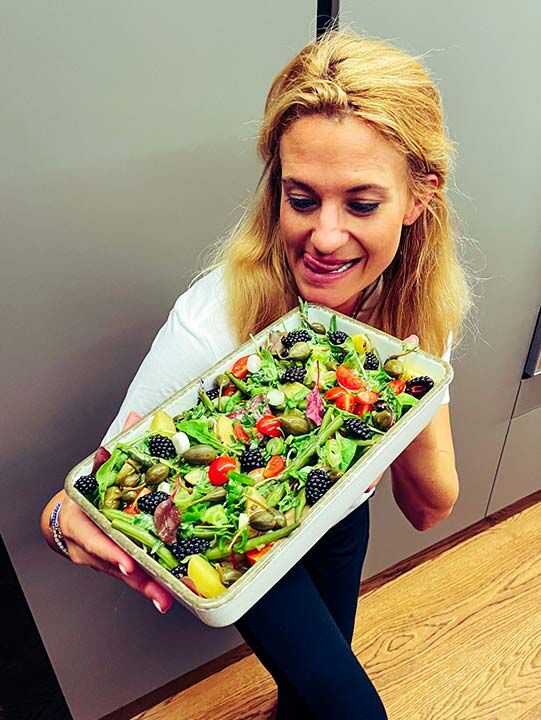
(361, 343)
(205, 578)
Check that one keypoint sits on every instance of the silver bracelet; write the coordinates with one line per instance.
(59, 539)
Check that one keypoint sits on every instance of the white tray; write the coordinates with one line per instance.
(347, 493)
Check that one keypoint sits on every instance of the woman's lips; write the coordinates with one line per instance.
(324, 266)
(317, 276)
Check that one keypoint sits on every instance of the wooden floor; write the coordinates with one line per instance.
(452, 634)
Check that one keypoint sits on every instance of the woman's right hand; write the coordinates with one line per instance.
(88, 545)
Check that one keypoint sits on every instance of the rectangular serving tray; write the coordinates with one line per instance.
(345, 495)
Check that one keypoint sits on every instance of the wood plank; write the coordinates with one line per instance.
(455, 637)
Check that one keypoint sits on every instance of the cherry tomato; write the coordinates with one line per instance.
(334, 393)
(274, 467)
(229, 390)
(240, 369)
(349, 378)
(346, 402)
(397, 386)
(367, 396)
(269, 425)
(219, 469)
(240, 433)
(255, 555)
(361, 408)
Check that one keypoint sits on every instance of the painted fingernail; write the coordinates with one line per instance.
(123, 569)
(158, 607)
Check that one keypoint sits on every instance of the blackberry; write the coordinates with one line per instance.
(189, 546)
(180, 570)
(213, 393)
(161, 446)
(317, 484)
(371, 361)
(296, 336)
(338, 337)
(86, 485)
(357, 428)
(149, 502)
(251, 459)
(419, 386)
(293, 374)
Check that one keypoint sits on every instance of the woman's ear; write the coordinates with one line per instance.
(416, 205)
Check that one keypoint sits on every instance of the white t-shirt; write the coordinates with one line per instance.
(195, 336)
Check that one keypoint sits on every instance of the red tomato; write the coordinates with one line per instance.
(368, 397)
(219, 468)
(346, 402)
(349, 378)
(255, 555)
(239, 369)
(397, 386)
(240, 433)
(229, 390)
(362, 408)
(269, 425)
(334, 393)
(274, 467)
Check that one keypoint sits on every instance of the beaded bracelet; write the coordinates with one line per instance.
(59, 539)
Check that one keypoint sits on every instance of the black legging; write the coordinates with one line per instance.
(301, 630)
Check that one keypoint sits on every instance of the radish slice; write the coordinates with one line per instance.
(276, 397)
(253, 364)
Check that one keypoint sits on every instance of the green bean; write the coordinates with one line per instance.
(265, 539)
(300, 507)
(207, 402)
(238, 383)
(145, 538)
(111, 514)
(303, 457)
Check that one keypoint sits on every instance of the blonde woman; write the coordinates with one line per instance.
(350, 212)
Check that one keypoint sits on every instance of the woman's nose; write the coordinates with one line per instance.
(329, 234)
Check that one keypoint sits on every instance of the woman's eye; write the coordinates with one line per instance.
(300, 203)
(364, 208)
(361, 208)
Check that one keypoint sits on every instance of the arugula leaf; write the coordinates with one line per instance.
(145, 521)
(198, 430)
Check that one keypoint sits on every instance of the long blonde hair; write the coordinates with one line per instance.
(424, 289)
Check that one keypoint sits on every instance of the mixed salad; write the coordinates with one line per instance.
(207, 493)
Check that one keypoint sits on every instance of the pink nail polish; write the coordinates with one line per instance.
(158, 607)
(123, 569)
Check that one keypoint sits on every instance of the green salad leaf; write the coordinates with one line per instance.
(198, 430)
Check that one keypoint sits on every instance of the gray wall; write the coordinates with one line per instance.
(127, 147)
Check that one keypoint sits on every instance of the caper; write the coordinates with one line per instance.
(318, 328)
(125, 471)
(156, 474)
(294, 425)
(217, 493)
(394, 368)
(279, 518)
(222, 381)
(299, 351)
(262, 520)
(275, 446)
(129, 494)
(200, 455)
(229, 574)
(112, 497)
(383, 420)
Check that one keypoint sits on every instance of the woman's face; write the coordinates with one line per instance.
(344, 201)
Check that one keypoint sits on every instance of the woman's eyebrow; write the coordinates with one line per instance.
(358, 188)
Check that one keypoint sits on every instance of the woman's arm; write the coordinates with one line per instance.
(424, 477)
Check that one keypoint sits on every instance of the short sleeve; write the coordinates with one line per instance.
(447, 356)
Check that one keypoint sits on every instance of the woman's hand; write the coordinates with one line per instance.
(88, 545)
